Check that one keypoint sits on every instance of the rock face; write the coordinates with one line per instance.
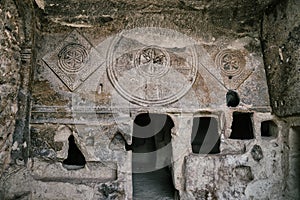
(10, 64)
(281, 48)
(99, 91)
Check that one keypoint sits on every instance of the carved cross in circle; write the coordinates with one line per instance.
(72, 57)
(152, 61)
(230, 62)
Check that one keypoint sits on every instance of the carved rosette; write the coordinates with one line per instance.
(152, 62)
(73, 61)
(232, 65)
(151, 70)
(72, 58)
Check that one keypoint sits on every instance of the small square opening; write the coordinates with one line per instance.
(241, 127)
(269, 129)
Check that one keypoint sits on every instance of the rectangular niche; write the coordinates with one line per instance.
(269, 129)
(293, 179)
(205, 136)
(242, 128)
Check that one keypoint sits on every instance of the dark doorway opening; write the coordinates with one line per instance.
(151, 157)
(75, 159)
(205, 136)
(241, 127)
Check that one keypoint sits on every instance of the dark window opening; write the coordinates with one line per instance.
(128, 147)
(232, 98)
(75, 159)
(241, 127)
(269, 129)
(142, 119)
(100, 88)
(151, 157)
(151, 132)
(205, 136)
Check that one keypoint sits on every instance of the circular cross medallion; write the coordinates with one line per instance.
(152, 66)
(72, 57)
(231, 62)
(152, 62)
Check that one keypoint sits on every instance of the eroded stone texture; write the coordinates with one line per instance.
(10, 39)
(281, 48)
(224, 16)
(237, 176)
(257, 153)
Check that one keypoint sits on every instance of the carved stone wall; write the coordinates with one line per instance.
(156, 70)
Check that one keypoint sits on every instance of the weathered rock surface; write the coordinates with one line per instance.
(10, 52)
(281, 49)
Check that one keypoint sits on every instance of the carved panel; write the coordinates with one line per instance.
(152, 62)
(72, 57)
(153, 69)
(232, 65)
(73, 60)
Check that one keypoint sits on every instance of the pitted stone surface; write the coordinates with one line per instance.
(10, 53)
(281, 49)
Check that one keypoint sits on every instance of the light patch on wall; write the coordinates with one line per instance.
(62, 134)
(40, 3)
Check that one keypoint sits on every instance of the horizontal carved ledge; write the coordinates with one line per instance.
(111, 110)
(92, 172)
(101, 115)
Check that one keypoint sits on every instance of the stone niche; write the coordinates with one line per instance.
(91, 83)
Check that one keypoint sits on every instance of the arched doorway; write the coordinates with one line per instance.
(151, 156)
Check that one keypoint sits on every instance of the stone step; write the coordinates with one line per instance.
(156, 185)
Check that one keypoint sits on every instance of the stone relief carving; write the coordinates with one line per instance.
(232, 65)
(152, 62)
(72, 57)
(154, 71)
(73, 60)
